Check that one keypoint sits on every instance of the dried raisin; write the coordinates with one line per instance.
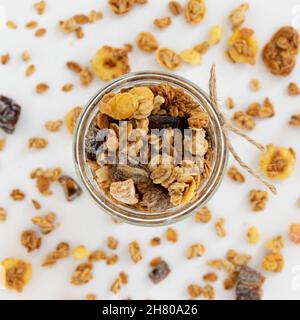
(9, 114)
(160, 272)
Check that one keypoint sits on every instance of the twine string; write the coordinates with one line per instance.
(228, 127)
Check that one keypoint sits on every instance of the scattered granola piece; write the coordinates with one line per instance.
(44, 178)
(258, 199)
(215, 35)
(37, 143)
(244, 121)
(249, 284)
(95, 16)
(253, 235)
(31, 24)
(25, 56)
(295, 120)
(159, 272)
(67, 87)
(168, 58)
(5, 59)
(16, 273)
(155, 261)
(80, 252)
(243, 46)
(278, 162)
(86, 76)
(230, 103)
(71, 118)
(195, 250)
(275, 245)
(135, 251)
(295, 233)
(147, 42)
(236, 175)
(74, 66)
(261, 111)
(3, 215)
(202, 47)
(11, 25)
(273, 262)
(112, 259)
(204, 215)
(41, 88)
(208, 292)
(237, 16)
(30, 240)
(293, 89)
(195, 291)
(2, 144)
(110, 63)
(82, 274)
(40, 32)
(123, 191)
(210, 277)
(30, 70)
(97, 255)
(112, 243)
(61, 251)
(195, 11)
(121, 279)
(91, 297)
(17, 195)
(191, 56)
(163, 23)
(120, 7)
(219, 225)
(255, 85)
(154, 242)
(198, 120)
(36, 204)
(71, 188)
(45, 223)
(53, 126)
(280, 53)
(40, 7)
(175, 7)
(172, 235)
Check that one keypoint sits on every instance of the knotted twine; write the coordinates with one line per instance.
(228, 127)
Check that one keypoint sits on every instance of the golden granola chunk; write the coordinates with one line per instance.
(295, 233)
(82, 274)
(120, 7)
(135, 251)
(147, 42)
(244, 121)
(273, 262)
(258, 199)
(237, 16)
(30, 240)
(195, 11)
(71, 118)
(191, 56)
(168, 59)
(175, 7)
(293, 89)
(235, 175)
(163, 23)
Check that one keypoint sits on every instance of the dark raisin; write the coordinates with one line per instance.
(138, 173)
(71, 188)
(9, 114)
(156, 200)
(160, 272)
(165, 122)
(249, 284)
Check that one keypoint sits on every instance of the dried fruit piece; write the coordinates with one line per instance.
(253, 235)
(147, 42)
(120, 7)
(175, 7)
(165, 122)
(210, 277)
(123, 191)
(235, 175)
(71, 118)
(195, 11)
(168, 58)
(249, 284)
(16, 273)
(37, 143)
(156, 200)
(273, 262)
(295, 233)
(40, 32)
(9, 114)
(135, 251)
(237, 16)
(30, 240)
(160, 272)
(82, 274)
(71, 188)
(138, 173)
(280, 53)
(244, 121)
(276, 244)
(278, 162)
(41, 88)
(243, 46)
(162, 23)
(258, 199)
(191, 56)
(110, 63)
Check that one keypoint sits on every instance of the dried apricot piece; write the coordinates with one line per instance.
(120, 107)
(110, 63)
(278, 162)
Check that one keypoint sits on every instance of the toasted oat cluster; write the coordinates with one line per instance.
(150, 126)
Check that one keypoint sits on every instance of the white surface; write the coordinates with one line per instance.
(81, 221)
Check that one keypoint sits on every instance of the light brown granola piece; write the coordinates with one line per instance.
(45, 223)
(244, 121)
(195, 11)
(120, 7)
(17, 195)
(91, 297)
(117, 284)
(25, 56)
(202, 47)
(175, 7)
(154, 242)
(44, 178)
(31, 24)
(2, 144)
(255, 85)
(155, 262)
(172, 235)
(37, 143)
(235, 175)
(112, 243)
(36, 204)
(210, 277)
(204, 215)
(261, 111)
(162, 23)
(293, 89)
(42, 88)
(273, 262)
(3, 215)
(82, 274)
(112, 259)
(61, 251)
(40, 32)
(258, 199)
(97, 255)
(11, 25)
(40, 7)
(195, 250)
(86, 76)
(30, 240)
(147, 42)
(194, 291)
(168, 58)
(295, 233)
(230, 103)
(135, 251)
(237, 16)
(30, 70)
(276, 244)
(68, 87)
(208, 292)
(74, 66)
(295, 120)
(198, 120)
(53, 126)
(71, 118)
(5, 59)
(253, 235)
(220, 229)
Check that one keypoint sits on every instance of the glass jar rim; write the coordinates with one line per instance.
(134, 216)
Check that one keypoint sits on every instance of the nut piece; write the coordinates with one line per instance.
(159, 272)
(278, 162)
(30, 240)
(46, 223)
(71, 118)
(244, 121)
(30, 70)
(194, 291)
(195, 11)
(16, 273)
(162, 23)
(168, 59)
(147, 42)
(295, 233)
(5, 59)
(135, 251)
(230, 103)
(112, 243)
(175, 7)
(204, 215)
(71, 188)
(194, 251)
(276, 244)
(82, 274)
(210, 277)
(258, 199)
(235, 175)
(124, 191)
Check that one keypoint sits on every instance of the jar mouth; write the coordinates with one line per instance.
(136, 216)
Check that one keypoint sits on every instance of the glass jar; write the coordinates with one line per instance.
(131, 215)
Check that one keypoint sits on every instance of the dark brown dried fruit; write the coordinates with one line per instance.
(165, 122)
(9, 114)
(160, 272)
(93, 142)
(155, 200)
(249, 284)
(71, 188)
(138, 173)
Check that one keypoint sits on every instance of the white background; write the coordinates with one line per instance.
(81, 222)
